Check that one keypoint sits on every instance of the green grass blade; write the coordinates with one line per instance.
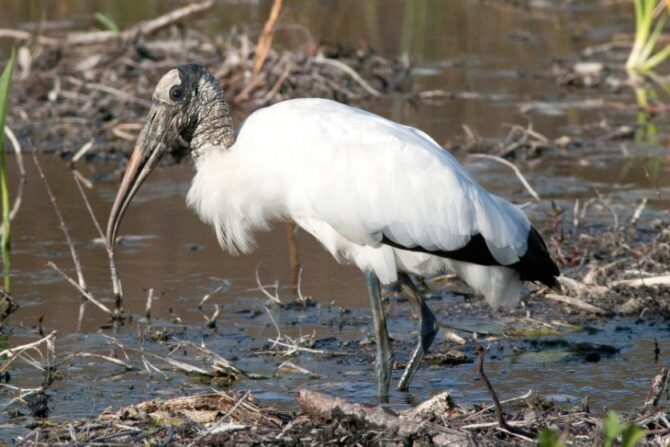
(632, 435)
(651, 41)
(5, 84)
(107, 22)
(656, 59)
(640, 34)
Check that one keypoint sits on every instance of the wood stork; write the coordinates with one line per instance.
(375, 193)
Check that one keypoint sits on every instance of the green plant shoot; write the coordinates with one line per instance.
(613, 427)
(642, 58)
(549, 438)
(5, 244)
(107, 22)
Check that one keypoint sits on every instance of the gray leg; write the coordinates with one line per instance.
(384, 355)
(428, 325)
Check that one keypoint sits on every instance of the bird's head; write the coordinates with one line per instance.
(188, 103)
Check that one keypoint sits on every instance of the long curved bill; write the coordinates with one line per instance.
(146, 155)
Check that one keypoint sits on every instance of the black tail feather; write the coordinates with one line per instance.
(536, 264)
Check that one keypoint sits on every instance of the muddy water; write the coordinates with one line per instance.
(495, 58)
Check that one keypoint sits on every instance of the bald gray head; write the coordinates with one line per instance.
(187, 102)
(200, 111)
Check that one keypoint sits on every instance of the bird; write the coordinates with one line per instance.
(381, 195)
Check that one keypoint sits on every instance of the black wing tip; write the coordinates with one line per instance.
(535, 265)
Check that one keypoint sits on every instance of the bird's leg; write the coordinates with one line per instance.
(429, 327)
(384, 355)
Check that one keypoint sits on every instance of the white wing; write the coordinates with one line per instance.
(368, 177)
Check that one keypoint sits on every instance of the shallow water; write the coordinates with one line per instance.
(492, 49)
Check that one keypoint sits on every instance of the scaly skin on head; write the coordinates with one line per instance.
(214, 126)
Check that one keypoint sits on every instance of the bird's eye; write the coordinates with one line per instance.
(176, 93)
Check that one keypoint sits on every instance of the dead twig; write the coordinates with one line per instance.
(513, 167)
(658, 385)
(8, 305)
(216, 427)
(11, 354)
(140, 29)
(638, 212)
(662, 280)
(127, 366)
(87, 295)
(576, 302)
(348, 70)
(82, 151)
(274, 298)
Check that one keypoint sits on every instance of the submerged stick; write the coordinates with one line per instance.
(496, 402)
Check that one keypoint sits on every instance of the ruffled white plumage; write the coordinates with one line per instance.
(349, 177)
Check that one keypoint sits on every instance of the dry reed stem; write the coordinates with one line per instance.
(86, 294)
(147, 309)
(265, 40)
(113, 272)
(127, 366)
(63, 227)
(638, 212)
(274, 298)
(291, 367)
(82, 151)
(22, 172)
(11, 354)
(23, 394)
(218, 363)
